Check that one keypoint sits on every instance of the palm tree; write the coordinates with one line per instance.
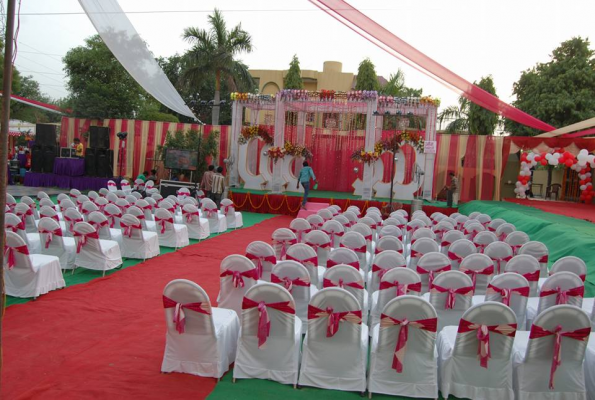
(458, 117)
(213, 54)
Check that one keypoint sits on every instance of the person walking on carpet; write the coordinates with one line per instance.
(304, 178)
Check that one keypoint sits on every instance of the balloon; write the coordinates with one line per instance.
(557, 155)
(568, 163)
(583, 152)
(583, 187)
(544, 162)
(537, 158)
(555, 162)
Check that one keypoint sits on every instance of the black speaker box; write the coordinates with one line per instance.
(105, 160)
(90, 162)
(49, 154)
(99, 137)
(37, 158)
(45, 134)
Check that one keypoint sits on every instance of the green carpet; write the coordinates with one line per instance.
(563, 236)
(325, 194)
(82, 275)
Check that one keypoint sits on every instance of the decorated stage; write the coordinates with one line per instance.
(36, 179)
(289, 203)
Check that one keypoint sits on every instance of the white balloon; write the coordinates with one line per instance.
(582, 164)
(589, 184)
(588, 174)
(583, 151)
(557, 155)
(582, 176)
(530, 156)
(583, 187)
(555, 162)
(548, 156)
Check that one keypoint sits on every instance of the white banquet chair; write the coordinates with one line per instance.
(500, 253)
(137, 243)
(483, 239)
(350, 215)
(101, 224)
(476, 357)
(528, 267)
(25, 213)
(217, 222)
(383, 262)
(29, 275)
(74, 193)
(472, 228)
(540, 252)
(294, 277)
(31, 204)
(87, 208)
(71, 217)
(410, 229)
(282, 238)
(403, 358)
(315, 221)
(335, 231)
(448, 238)
(355, 209)
(50, 212)
(94, 253)
(389, 243)
(259, 351)
(200, 339)
(169, 233)
(480, 269)
(234, 218)
(113, 214)
(15, 224)
(441, 228)
(48, 203)
(548, 360)
(263, 257)
(54, 244)
(103, 192)
(321, 243)
(42, 195)
(419, 249)
(451, 295)
(484, 219)
(367, 233)
(391, 230)
(10, 202)
(335, 349)
(348, 278)
(343, 255)
(458, 250)
(125, 185)
(198, 228)
(140, 215)
(343, 221)
(237, 274)
(111, 186)
(61, 197)
(356, 242)
(370, 223)
(461, 220)
(494, 224)
(123, 205)
(300, 227)
(429, 266)
(570, 264)
(516, 240)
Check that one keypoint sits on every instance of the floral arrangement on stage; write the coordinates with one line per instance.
(275, 153)
(297, 150)
(305, 95)
(249, 132)
(364, 95)
(407, 101)
(368, 157)
(251, 97)
(391, 144)
(430, 101)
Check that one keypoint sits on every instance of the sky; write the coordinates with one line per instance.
(472, 38)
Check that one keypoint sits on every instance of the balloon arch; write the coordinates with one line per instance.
(582, 164)
(276, 172)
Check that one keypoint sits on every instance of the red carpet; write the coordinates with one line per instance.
(105, 339)
(566, 208)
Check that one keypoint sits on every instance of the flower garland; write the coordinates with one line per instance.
(429, 100)
(408, 101)
(362, 95)
(251, 97)
(368, 157)
(275, 153)
(255, 131)
(390, 144)
(297, 150)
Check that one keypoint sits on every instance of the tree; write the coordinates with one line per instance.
(213, 52)
(482, 121)
(100, 87)
(458, 117)
(558, 92)
(396, 86)
(293, 79)
(366, 76)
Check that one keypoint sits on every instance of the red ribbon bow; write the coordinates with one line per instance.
(284, 244)
(331, 263)
(454, 257)
(18, 227)
(422, 271)
(210, 211)
(498, 262)
(430, 325)
(9, 254)
(544, 259)
(356, 285)
(402, 288)
(128, 228)
(562, 295)
(332, 235)
(472, 233)
(507, 293)
(539, 332)
(317, 246)
(112, 219)
(227, 208)
(179, 317)
(532, 276)
(83, 239)
(289, 283)
(238, 277)
(312, 261)
(483, 336)
(489, 270)
(162, 222)
(334, 318)
(72, 221)
(299, 233)
(50, 235)
(451, 297)
(356, 249)
(98, 225)
(264, 323)
(260, 260)
(190, 215)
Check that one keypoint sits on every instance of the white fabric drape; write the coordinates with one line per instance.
(119, 35)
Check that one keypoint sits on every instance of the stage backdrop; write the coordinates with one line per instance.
(142, 141)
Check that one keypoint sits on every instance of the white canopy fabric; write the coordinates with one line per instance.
(119, 35)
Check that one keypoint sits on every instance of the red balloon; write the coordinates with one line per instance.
(567, 155)
(537, 158)
(569, 163)
(543, 161)
(588, 179)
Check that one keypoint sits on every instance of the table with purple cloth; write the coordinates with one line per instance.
(22, 160)
(35, 179)
(69, 166)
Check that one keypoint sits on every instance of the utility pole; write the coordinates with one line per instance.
(4, 123)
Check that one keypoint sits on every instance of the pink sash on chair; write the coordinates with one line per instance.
(112, 185)
(431, 273)
(331, 263)
(128, 228)
(10, 256)
(361, 249)
(451, 298)
(264, 323)
(54, 217)
(112, 219)
(516, 248)
(284, 243)
(539, 332)
(498, 262)
(332, 235)
(483, 336)
(50, 235)
(189, 215)
(454, 257)
(472, 233)
(356, 285)
(227, 208)
(430, 325)
(179, 317)
(334, 318)
(99, 225)
(543, 259)
(72, 222)
(210, 212)
(489, 270)
(563, 295)
(507, 293)
(238, 277)
(530, 276)
(83, 237)
(317, 246)
(16, 228)
(312, 261)
(402, 288)
(290, 283)
(299, 233)
(260, 260)
(162, 222)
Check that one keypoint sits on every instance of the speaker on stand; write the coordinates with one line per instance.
(104, 163)
(99, 137)
(91, 162)
(37, 158)
(49, 154)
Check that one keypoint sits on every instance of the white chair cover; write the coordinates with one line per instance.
(278, 357)
(472, 228)
(389, 243)
(325, 214)
(307, 256)
(87, 208)
(300, 227)
(74, 193)
(480, 269)
(419, 248)
(402, 212)
(367, 233)
(28, 275)
(282, 238)
(198, 228)
(46, 202)
(61, 197)
(315, 221)
(125, 185)
(516, 240)
(395, 282)
(123, 205)
(343, 221)
(348, 278)
(138, 213)
(103, 192)
(355, 210)
(54, 244)
(50, 212)
(335, 355)
(237, 275)
(113, 214)
(263, 257)
(483, 239)
(356, 242)
(461, 219)
(15, 224)
(458, 250)
(169, 233)
(383, 262)
(130, 199)
(32, 205)
(537, 375)
(540, 252)
(500, 253)
(94, 253)
(451, 295)
(441, 228)
(494, 224)
(234, 218)
(528, 267)
(42, 195)
(217, 222)
(413, 226)
(25, 213)
(484, 219)
(351, 217)
(371, 223)
(391, 230)
(321, 243)
(335, 231)
(449, 238)
(101, 225)
(478, 368)
(71, 217)
(394, 371)
(111, 186)
(569, 264)
(137, 242)
(137, 195)
(200, 340)
(424, 218)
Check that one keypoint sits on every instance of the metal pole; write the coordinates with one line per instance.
(392, 180)
(6, 92)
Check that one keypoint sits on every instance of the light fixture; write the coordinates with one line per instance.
(355, 169)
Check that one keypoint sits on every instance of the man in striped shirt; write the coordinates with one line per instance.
(217, 186)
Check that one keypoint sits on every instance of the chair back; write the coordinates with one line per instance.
(516, 240)
(146, 208)
(511, 290)
(237, 274)
(113, 214)
(420, 247)
(351, 216)
(263, 257)
(156, 196)
(187, 309)
(500, 253)
(87, 239)
(101, 202)
(413, 226)
(441, 228)
(384, 262)
(150, 184)
(48, 212)
(321, 243)
(345, 277)
(473, 229)
(459, 250)
(422, 233)
(47, 202)
(483, 239)
(389, 243)
(425, 219)
(494, 224)
(365, 231)
(295, 278)
(391, 230)
(461, 220)
(484, 219)
(101, 224)
(335, 231)
(125, 185)
(343, 221)
(355, 210)
(376, 216)
(123, 205)
(325, 214)
(16, 257)
(152, 202)
(397, 282)
(300, 227)
(111, 186)
(190, 214)
(226, 206)
(315, 221)
(356, 242)
(32, 205)
(132, 227)
(136, 195)
(71, 217)
(74, 193)
(42, 195)
(401, 219)
(390, 221)
(504, 230)
(344, 307)
(167, 205)
(51, 234)
(209, 209)
(474, 215)
(130, 199)
(60, 197)
(418, 212)
(561, 288)
(429, 266)
(103, 192)
(449, 238)
(307, 256)
(481, 270)
(164, 221)
(112, 197)
(451, 291)
(368, 221)
(401, 212)
(570, 264)
(539, 251)
(15, 224)
(25, 213)
(342, 256)
(373, 209)
(335, 210)
(282, 238)
(527, 266)
(87, 208)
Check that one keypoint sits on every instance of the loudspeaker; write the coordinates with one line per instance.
(105, 159)
(90, 162)
(45, 134)
(99, 137)
(49, 154)
(37, 158)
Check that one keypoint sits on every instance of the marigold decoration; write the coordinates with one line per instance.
(392, 144)
(297, 150)
(251, 97)
(429, 100)
(368, 157)
(275, 153)
(255, 131)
